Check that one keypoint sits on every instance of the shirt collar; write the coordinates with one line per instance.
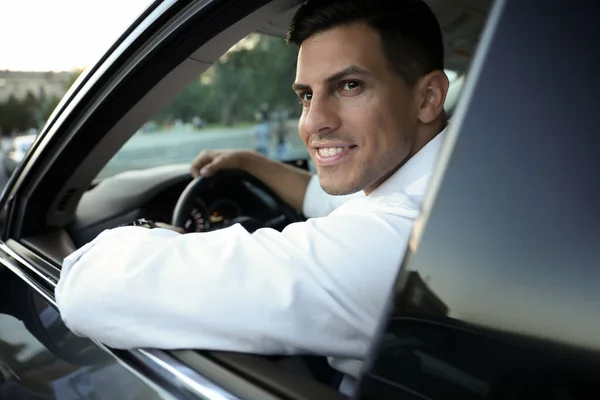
(417, 167)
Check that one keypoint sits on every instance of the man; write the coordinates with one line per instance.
(262, 130)
(371, 83)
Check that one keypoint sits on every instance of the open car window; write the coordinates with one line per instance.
(244, 101)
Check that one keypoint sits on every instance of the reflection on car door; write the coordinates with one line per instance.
(41, 359)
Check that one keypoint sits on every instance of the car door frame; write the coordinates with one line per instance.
(157, 368)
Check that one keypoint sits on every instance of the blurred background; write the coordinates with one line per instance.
(243, 101)
(44, 46)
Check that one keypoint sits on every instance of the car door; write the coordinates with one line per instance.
(168, 47)
(39, 357)
(499, 297)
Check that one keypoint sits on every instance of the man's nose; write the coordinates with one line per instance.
(322, 115)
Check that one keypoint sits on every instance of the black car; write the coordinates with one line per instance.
(499, 294)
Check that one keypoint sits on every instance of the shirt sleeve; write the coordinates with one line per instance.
(317, 287)
(318, 203)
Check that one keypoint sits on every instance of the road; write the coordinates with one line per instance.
(181, 145)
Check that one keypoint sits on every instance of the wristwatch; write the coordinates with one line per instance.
(143, 222)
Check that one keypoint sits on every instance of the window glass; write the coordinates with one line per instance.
(449, 362)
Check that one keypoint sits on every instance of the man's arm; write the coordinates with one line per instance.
(288, 182)
(318, 286)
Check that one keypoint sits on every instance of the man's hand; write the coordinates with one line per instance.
(288, 182)
(209, 162)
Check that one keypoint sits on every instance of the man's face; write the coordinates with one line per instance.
(359, 119)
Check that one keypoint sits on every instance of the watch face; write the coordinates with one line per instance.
(144, 223)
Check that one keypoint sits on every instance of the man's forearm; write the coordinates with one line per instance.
(288, 182)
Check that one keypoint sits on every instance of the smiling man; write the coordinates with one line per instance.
(364, 121)
(371, 83)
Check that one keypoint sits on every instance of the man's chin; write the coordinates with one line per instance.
(339, 186)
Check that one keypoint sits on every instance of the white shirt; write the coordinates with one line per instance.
(317, 287)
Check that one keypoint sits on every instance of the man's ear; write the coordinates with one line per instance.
(432, 89)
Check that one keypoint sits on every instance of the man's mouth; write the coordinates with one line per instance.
(331, 151)
(331, 155)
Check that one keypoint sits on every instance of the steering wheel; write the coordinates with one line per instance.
(278, 213)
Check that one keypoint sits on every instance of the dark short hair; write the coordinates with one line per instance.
(410, 33)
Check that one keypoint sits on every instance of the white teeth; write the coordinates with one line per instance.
(330, 151)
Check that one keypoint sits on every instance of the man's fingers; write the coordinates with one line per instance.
(210, 162)
(205, 170)
(204, 158)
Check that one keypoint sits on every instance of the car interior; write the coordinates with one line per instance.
(66, 208)
(80, 211)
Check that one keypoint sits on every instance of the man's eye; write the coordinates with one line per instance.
(350, 85)
(304, 97)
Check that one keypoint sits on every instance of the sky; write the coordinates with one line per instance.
(61, 35)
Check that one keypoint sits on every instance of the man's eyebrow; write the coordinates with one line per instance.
(352, 69)
(296, 87)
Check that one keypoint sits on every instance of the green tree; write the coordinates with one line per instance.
(18, 115)
(260, 70)
(72, 78)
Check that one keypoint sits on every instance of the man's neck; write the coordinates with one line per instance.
(426, 135)
(422, 138)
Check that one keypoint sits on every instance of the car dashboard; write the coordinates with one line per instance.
(153, 193)
(214, 210)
